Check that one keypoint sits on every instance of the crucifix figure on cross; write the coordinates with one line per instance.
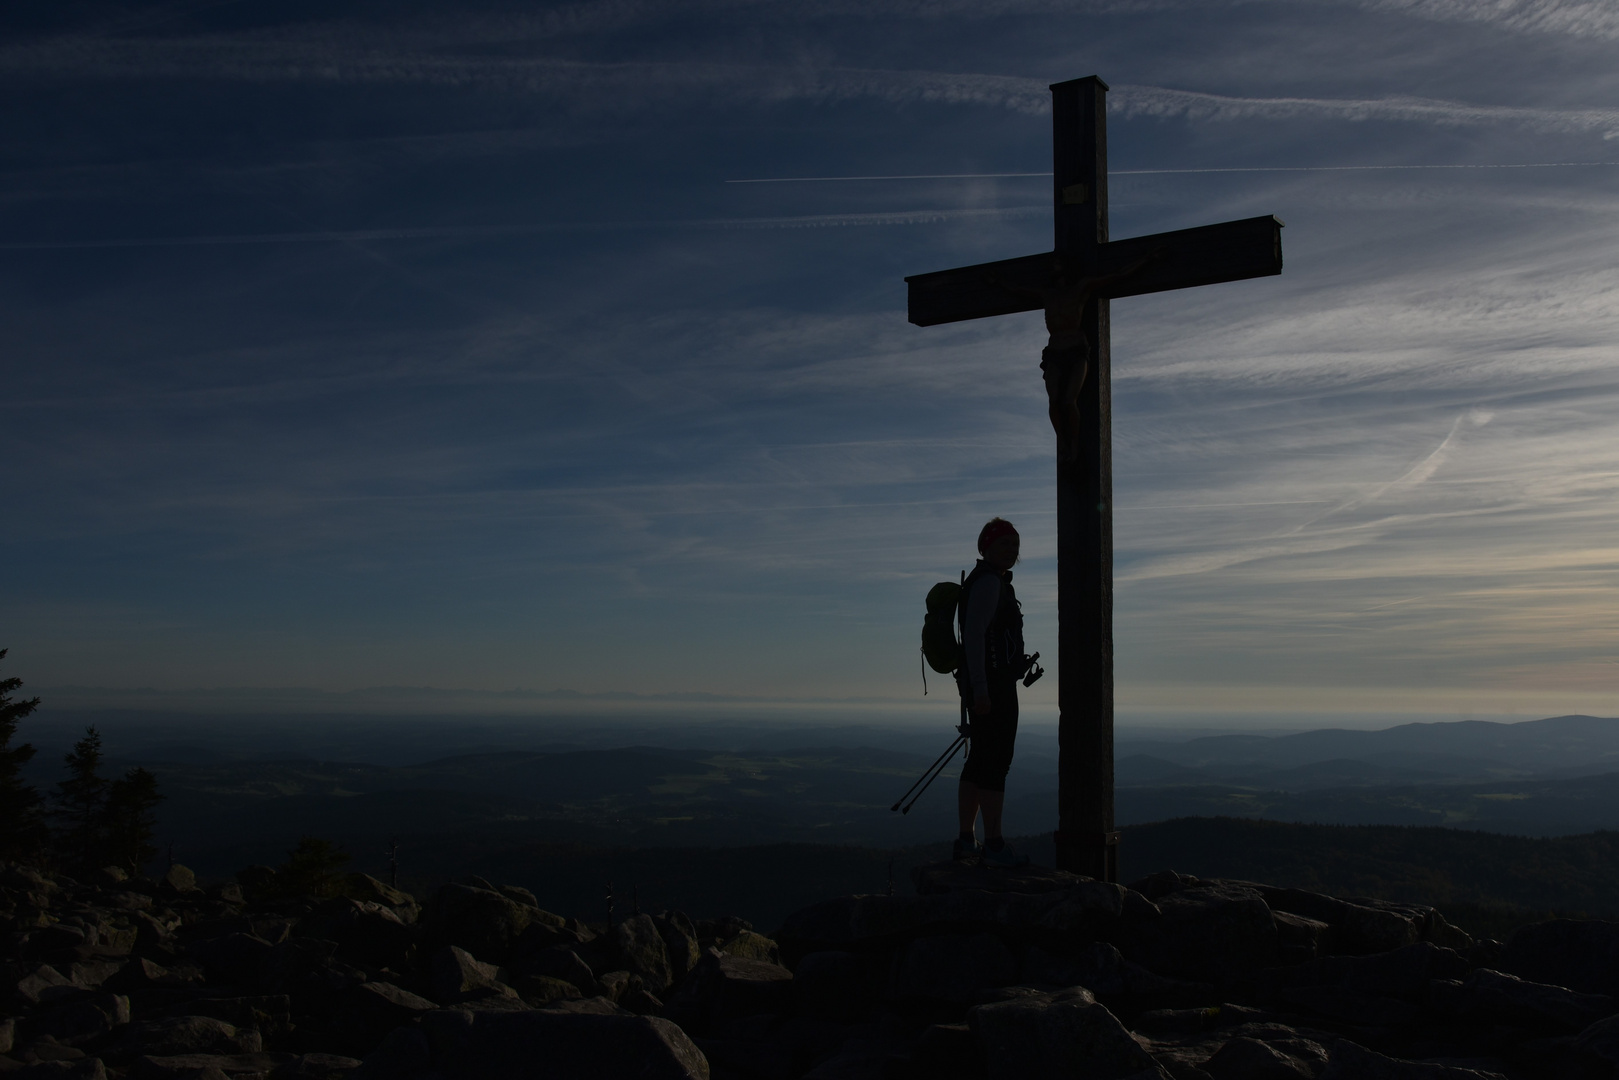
(1073, 285)
(1066, 359)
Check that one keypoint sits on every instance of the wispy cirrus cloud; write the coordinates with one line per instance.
(1576, 18)
(616, 85)
(1130, 101)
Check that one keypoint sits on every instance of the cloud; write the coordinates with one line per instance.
(1418, 473)
(1157, 101)
(594, 84)
(1575, 18)
(324, 56)
(478, 232)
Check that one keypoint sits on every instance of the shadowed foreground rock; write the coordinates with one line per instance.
(982, 975)
(481, 1045)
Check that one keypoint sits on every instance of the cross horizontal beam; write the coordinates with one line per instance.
(1207, 255)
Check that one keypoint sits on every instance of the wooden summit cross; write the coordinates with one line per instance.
(1086, 840)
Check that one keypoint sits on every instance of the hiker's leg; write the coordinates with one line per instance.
(968, 798)
(996, 757)
(992, 801)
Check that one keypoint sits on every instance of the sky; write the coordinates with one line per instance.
(443, 346)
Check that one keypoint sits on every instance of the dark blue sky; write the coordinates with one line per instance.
(410, 344)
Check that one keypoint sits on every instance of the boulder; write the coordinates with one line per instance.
(1244, 1058)
(948, 1052)
(270, 1013)
(1097, 967)
(752, 946)
(367, 933)
(518, 893)
(190, 1066)
(1047, 1036)
(59, 937)
(858, 923)
(117, 940)
(1356, 926)
(639, 949)
(1298, 938)
(305, 965)
(144, 973)
(1404, 972)
(83, 1020)
(680, 939)
(1595, 1051)
(363, 1015)
(478, 1044)
(1581, 955)
(238, 959)
(187, 1035)
(1349, 1061)
(952, 967)
(594, 1006)
(81, 1069)
(724, 987)
(457, 977)
(860, 1057)
(1211, 932)
(178, 879)
(316, 1067)
(1350, 1006)
(482, 921)
(43, 983)
(543, 990)
(558, 962)
(228, 892)
(91, 974)
(838, 985)
(256, 881)
(946, 877)
(367, 889)
(1491, 997)
(616, 984)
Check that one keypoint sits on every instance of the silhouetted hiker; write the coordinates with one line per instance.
(992, 638)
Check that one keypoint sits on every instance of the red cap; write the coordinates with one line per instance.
(997, 528)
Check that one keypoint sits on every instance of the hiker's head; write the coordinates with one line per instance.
(998, 543)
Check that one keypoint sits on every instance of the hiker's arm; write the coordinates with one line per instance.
(982, 601)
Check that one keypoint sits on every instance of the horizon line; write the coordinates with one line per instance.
(1164, 172)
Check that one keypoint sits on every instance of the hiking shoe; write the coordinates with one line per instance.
(964, 850)
(1004, 857)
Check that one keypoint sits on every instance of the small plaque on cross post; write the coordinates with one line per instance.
(1073, 284)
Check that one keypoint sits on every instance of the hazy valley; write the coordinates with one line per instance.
(807, 810)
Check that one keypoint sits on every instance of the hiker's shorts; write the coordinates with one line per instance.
(989, 755)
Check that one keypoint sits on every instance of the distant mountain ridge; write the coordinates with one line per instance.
(1558, 745)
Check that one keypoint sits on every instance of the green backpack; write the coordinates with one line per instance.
(940, 648)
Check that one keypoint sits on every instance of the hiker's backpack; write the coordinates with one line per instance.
(940, 648)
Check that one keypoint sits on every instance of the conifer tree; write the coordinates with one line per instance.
(130, 820)
(22, 822)
(81, 805)
(313, 868)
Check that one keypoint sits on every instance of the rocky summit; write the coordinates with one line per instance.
(983, 973)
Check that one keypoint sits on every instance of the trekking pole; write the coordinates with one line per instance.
(962, 741)
(964, 734)
(942, 759)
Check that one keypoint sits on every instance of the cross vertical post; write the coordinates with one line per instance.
(1086, 841)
